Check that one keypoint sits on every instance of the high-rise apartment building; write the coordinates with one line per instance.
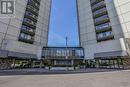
(104, 27)
(25, 34)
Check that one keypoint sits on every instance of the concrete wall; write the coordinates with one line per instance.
(118, 11)
(10, 29)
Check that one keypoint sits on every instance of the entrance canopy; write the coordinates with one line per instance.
(110, 54)
(6, 54)
(22, 55)
(63, 53)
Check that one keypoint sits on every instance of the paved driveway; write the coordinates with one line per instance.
(98, 79)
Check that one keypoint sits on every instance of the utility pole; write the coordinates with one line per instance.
(66, 38)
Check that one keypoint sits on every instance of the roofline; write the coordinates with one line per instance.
(61, 47)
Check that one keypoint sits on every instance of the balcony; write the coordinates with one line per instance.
(110, 37)
(29, 24)
(32, 17)
(28, 32)
(34, 5)
(31, 41)
(99, 7)
(37, 1)
(93, 2)
(100, 14)
(102, 21)
(104, 29)
(31, 9)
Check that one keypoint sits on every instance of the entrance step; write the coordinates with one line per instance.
(62, 68)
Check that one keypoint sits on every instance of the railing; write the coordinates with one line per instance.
(26, 40)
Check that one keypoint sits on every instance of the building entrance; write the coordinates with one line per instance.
(63, 56)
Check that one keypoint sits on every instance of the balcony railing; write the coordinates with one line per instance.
(99, 7)
(31, 41)
(37, 1)
(93, 2)
(29, 24)
(98, 4)
(34, 5)
(100, 14)
(102, 21)
(31, 9)
(32, 17)
(104, 29)
(110, 37)
(32, 33)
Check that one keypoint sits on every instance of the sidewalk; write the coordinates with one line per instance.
(45, 71)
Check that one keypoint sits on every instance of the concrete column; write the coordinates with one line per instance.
(72, 62)
(110, 64)
(54, 62)
(13, 63)
(41, 64)
(33, 64)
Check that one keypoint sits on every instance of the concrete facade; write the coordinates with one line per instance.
(10, 29)
(118, 12)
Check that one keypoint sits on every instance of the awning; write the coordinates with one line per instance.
(6, 54)
(22, 55)
(3, 53)
(110, 54)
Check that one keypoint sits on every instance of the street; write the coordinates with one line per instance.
(117, 78)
